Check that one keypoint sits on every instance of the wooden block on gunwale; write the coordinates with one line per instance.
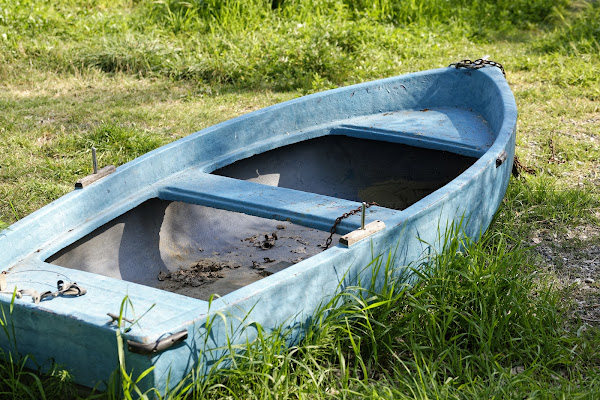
(360, 234)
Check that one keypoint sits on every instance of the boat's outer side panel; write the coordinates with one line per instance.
(470, 201)
(290, 296)
(55, 339)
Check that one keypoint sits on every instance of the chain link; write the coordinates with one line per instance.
(343, 216)
(479, 63)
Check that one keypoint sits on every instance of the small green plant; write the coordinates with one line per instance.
(123, 384)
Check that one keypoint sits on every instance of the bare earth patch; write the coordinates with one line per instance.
(575, 259)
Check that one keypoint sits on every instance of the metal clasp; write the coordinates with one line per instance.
(501, 158)
(158, 346)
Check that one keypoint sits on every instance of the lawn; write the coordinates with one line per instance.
(516, 315)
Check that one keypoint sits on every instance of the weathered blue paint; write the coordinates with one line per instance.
(469, 112)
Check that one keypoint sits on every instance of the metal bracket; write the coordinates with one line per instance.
(501, 158)
(98, 174)
(115, 318)
(158, 346)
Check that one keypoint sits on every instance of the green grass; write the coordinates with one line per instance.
(128, 76)
(579, 36)
(302, 44)
(539, 202)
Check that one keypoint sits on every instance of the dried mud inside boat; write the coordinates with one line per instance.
(190, 249)
(393, 175)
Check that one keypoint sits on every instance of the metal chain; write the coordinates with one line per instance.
(343, 216)
(479, 63)
(520, 168)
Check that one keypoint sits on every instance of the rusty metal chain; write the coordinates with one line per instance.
(479, 63)
(343, 216)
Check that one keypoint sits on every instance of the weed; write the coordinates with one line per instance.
(17, 380)
(128, 386)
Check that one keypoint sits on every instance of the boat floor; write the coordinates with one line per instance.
(192, 250)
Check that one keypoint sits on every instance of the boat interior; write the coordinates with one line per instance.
(196, 250)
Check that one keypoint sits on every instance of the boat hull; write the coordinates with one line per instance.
(466, 112)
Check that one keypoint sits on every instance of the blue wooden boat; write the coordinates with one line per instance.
(242, 209)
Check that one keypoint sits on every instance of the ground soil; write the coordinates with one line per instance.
(574, 258)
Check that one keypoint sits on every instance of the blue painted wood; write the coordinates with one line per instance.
(470, 112)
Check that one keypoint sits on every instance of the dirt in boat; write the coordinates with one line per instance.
(239, 263)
